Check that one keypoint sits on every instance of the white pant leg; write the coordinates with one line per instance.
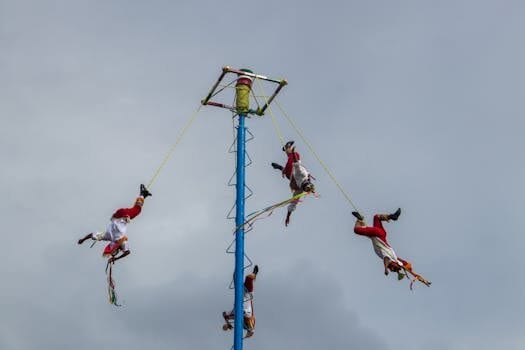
(117, 228)
(293, 204)
(247, 305)
(383, 250)
(102, 236)
(300, 174)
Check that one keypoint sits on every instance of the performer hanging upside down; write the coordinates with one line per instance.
(248, 314)
(378, 234)
(300, 178)
(115, 231)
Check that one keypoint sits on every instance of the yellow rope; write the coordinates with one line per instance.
(326, 169)
(274, 120)
(172, 149)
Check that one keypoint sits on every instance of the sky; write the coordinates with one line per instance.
(411, 104)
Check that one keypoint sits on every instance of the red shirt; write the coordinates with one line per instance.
(131, 212)
(292, 157)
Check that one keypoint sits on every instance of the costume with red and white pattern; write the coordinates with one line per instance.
(116, 229)
(298, 176)
(377, 234)
(249, 316)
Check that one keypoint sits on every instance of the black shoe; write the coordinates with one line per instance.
(277, 166)
(144, 191)
(358, 216)
(395, 215)
(256, 270)
(85, 238)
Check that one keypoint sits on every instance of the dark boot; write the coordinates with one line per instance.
(144, 191)
(82, 240)
(358, 216)
(395, 215)
(277, 166)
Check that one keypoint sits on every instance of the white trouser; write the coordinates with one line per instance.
(299, 174)
(247, 304)
(115, 230)
(383, 250)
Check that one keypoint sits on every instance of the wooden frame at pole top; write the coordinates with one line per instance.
(225, 70)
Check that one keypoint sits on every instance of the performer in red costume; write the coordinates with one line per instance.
(384, 251)
(248, 313)
(300, 178)
(116, 229)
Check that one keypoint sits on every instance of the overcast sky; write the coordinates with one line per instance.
(412, 104)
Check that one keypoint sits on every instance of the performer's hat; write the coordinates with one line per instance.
(288, 145)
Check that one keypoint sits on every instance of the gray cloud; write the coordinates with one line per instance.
(411, 104)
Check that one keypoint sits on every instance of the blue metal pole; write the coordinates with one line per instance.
(239, 238)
